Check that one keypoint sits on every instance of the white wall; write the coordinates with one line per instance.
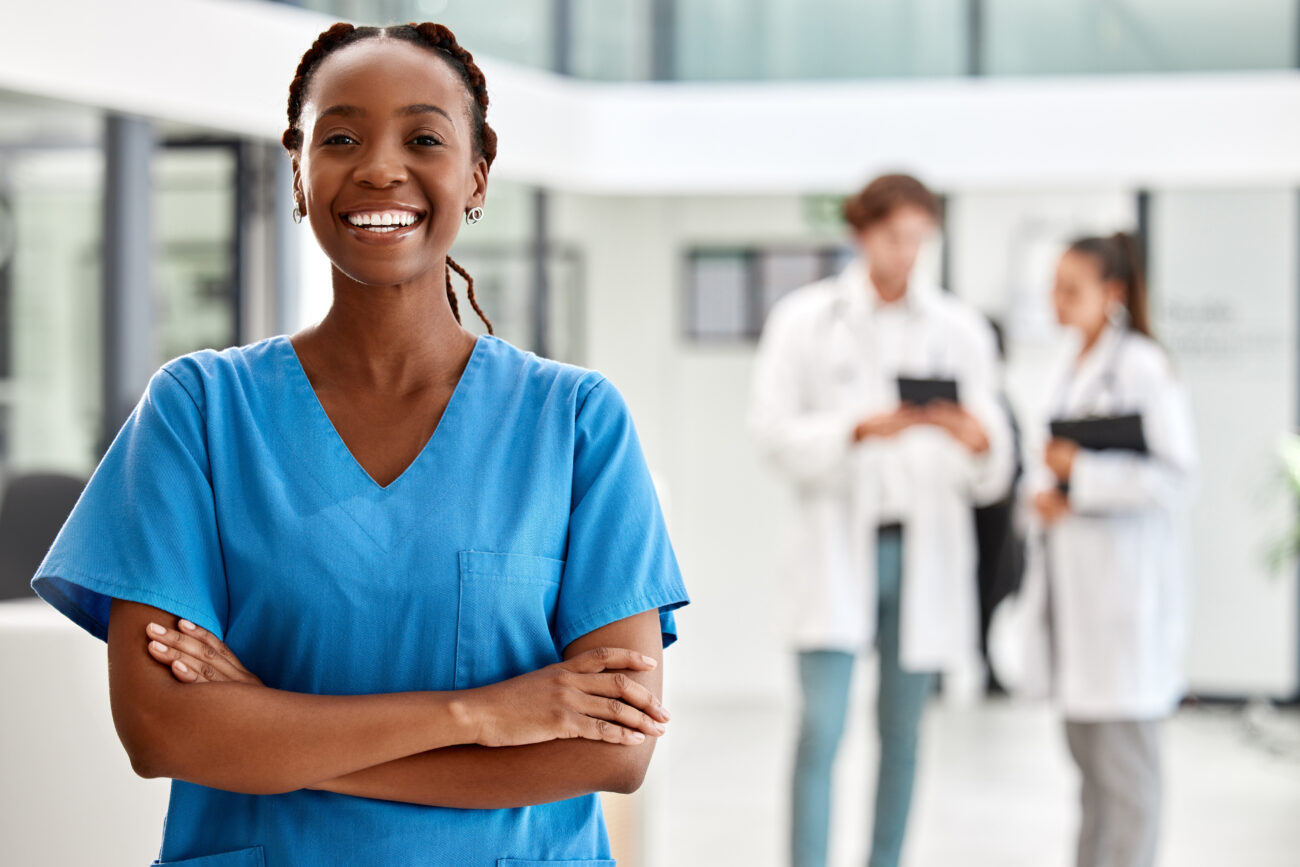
(1225, 283)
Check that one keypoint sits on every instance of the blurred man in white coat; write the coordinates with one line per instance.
(884, 538)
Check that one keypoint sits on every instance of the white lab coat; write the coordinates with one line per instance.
(816, 376)
(1100, 620)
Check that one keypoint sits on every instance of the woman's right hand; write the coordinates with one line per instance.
(1051, 506)
(588, 696)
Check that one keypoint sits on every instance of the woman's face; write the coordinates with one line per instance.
(1081, 297)
(387, 167)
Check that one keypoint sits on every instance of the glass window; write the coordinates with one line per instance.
(51, 187)
(1087, 36)
(520, 31)
(198, 261)
(731, 291)
(720, 294)
(500, 253)
(611, 40)
(1224, 278)
(811, 39)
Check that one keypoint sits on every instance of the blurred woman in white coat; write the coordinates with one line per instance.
(884, 531)
(1105, 574)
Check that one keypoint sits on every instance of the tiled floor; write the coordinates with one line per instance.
(996, 788)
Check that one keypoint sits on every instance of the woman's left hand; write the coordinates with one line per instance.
(1059, 458)
(194, 655)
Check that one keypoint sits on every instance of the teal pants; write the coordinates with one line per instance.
(825, 677)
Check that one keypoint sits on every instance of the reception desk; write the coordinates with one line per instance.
(68, 795)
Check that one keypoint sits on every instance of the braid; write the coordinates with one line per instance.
(469, 290)
(326, 44)
(429, 35)
(451, 294)
(443, 40)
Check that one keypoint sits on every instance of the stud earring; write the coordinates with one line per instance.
(297, 214)
(473, 215)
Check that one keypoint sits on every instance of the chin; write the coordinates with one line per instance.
(379, 274)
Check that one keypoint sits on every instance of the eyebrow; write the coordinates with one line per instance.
(357, 111)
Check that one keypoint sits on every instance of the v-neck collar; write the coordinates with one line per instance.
(313, 400)
(1083, 380)
(386, 513)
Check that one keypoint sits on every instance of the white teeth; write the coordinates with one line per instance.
(378, 221)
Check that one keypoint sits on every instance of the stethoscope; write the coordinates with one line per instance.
(1106, 385)
(912, 320)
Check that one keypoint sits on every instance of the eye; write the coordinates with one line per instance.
(426, 140)
(340, 138)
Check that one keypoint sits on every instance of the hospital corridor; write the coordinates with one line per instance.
(633, 433)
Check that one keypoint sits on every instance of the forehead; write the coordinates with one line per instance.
(906, 217)
(1079, 265)
(384, 73)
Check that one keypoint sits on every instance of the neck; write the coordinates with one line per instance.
(887, 290)
(389, 337)
(1090, 339)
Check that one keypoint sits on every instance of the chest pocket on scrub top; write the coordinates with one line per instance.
(506, 616)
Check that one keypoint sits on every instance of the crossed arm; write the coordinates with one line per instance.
(583, 725)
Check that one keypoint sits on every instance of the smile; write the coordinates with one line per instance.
(382, 222)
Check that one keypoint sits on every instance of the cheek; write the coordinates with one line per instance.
(319, 181)
(1066, 306)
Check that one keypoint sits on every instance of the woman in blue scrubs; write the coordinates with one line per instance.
(380, 592)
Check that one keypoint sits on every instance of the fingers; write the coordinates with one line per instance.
(205, 637)
(211, 662)
(617, 686)
(623, 714)
(606, 658)
(594, 729)
(184, 668)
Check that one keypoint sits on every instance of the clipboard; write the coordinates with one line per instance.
(1103, 433)
(919, 392)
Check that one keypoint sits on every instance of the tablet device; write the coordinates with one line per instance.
(1102, 433)
(919, 392)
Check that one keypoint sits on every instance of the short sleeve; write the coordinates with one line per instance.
(619, 560)
(145, 527)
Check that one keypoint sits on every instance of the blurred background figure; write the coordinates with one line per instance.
(1001, 548)
(1108, 498)
(675, 168)
(885, 548)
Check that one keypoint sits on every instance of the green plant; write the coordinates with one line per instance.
(1285, 551)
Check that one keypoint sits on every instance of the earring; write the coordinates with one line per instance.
(1117, 314)
(473, 215)
(297, 214)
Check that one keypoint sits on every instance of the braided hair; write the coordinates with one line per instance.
(436, 38)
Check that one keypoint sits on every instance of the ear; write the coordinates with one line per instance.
(299, 198)
(1116, 292)
(478, 185)
(859, 237)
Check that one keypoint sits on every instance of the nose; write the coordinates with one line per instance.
(380, 166)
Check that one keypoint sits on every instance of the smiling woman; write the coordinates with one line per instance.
(458, 153)
(381, 591)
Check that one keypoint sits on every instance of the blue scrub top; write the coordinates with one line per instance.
(528, 520)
